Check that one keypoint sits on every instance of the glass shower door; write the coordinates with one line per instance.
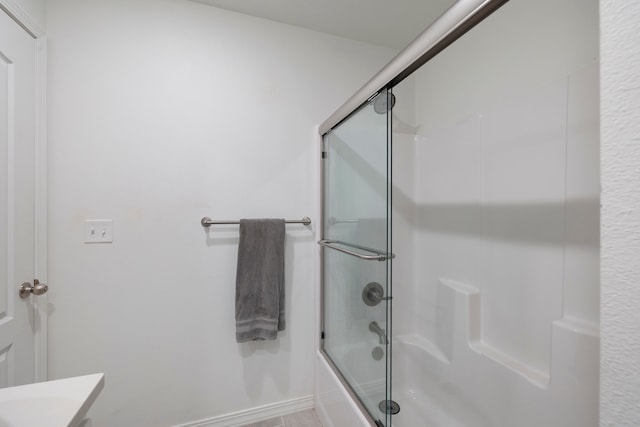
(357, 255)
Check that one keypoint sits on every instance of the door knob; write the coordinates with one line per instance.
(27, 289)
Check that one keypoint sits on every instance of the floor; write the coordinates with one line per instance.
(307, 418)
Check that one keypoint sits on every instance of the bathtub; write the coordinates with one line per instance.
(474, 386)
(363, 372)
(423, 387)
(419, 386)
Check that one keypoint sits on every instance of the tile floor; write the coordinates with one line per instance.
(307, 418)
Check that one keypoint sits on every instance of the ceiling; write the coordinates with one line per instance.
(391, 23)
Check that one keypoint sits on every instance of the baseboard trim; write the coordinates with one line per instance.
(259, 413)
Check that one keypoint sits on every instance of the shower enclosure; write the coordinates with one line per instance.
(460, 205)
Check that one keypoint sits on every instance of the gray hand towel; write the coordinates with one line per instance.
(260, 280)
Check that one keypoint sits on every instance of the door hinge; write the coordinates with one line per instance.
(322, 335)
(324, 154)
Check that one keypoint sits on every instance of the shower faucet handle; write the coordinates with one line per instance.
(373, 294)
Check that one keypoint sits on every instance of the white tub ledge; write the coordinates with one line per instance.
(60, 403)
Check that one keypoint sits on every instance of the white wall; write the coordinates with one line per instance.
(620, 160)
(162, 112)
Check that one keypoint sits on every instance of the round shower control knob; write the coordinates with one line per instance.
(372, 294)
(37, 288)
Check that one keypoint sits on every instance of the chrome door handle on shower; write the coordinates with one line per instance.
(379, 256)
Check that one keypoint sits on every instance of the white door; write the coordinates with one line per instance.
(17, 180)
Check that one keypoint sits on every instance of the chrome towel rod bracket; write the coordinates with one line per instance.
(206, 221)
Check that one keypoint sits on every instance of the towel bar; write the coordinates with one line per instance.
(206, 221)
(379, 256)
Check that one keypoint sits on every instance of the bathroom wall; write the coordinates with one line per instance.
(162, 112)
(620, 109)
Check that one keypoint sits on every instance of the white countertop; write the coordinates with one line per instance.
(59, 403)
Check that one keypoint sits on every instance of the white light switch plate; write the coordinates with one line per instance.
(98, 231)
